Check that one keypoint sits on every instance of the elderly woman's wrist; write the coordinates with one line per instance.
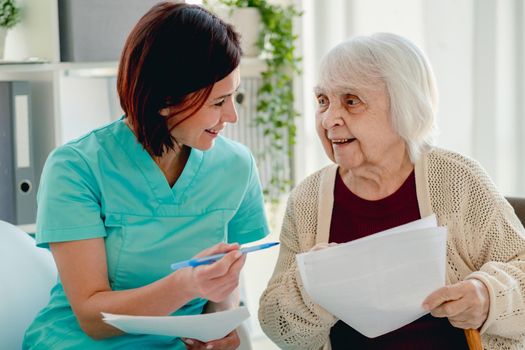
(483, 278)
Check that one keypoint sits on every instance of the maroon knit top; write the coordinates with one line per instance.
(354, 217)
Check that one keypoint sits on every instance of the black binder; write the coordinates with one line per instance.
(17, 171)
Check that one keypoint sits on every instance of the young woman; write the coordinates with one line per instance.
(119, 205)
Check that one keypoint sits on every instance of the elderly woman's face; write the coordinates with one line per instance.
(355, 126)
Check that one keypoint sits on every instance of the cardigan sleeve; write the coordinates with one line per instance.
(287, 314)
(486, 241)
(503, 272)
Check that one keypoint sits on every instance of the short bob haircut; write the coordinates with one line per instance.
(172, 57)
(361, 61)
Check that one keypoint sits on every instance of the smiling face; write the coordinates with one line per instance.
(200, 129)
(355, 126)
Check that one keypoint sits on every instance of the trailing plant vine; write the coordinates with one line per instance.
(275, 107)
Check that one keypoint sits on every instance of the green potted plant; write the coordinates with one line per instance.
(9, 17)
(275, 107)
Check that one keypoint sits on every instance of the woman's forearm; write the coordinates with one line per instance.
(89, 291)
(160, 298)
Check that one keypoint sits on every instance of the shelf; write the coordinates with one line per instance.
(89, 70)
(26, 67)
(250, 67)
(84, 69)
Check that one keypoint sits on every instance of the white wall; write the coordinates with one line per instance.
(447, 37)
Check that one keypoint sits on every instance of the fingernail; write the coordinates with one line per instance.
(425, 306)
(209, 346)
(238, 255)
(188, 341)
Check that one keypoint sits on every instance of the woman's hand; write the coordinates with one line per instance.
(216, 281)
(466, 304)
(229, 342)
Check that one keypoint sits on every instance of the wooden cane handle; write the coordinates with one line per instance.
(473, 339)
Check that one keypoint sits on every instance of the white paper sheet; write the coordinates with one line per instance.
(204, 327)
(377, 284)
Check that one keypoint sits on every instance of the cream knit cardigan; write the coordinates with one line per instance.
(485, 241)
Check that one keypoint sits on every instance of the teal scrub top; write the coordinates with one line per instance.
(106, 185)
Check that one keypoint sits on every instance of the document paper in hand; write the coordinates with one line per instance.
(203, 327)
(376, 284)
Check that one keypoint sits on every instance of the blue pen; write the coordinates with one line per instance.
(213, 258)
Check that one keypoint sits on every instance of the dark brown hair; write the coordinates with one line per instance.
(172, 57)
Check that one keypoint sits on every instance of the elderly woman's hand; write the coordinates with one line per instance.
(466, 304)
(229, 342)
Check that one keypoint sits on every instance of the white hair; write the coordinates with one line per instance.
(361, 61)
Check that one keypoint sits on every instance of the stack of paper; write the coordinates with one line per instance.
(377, 284)
(204, 327)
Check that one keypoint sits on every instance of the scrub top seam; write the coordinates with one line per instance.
(247, 185)
(61, 340)
(174, 215)
(50, 230)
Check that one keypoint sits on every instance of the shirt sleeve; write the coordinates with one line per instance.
(68, 200)
(249, 222)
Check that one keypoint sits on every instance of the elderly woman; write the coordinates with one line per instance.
(376, 102)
